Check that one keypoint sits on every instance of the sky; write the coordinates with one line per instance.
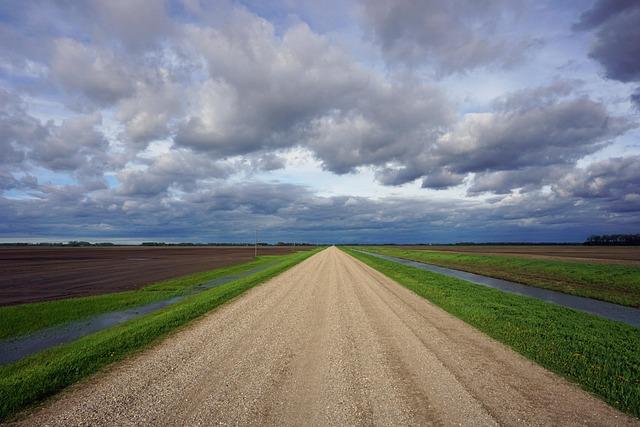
(372, 121)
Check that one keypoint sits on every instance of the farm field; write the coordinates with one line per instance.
(22, 319)
(32, 274)
(33, 378)
(624, 255)
(332, 341)
(614, 283)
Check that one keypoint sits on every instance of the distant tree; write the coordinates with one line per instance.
(78, 243)
(613, 240)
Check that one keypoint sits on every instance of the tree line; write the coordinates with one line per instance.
(613, 239)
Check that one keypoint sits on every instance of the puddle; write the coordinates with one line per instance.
(15, 349)
(620, 313)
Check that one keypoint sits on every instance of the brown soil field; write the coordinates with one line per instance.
(626, 255)
(32, 274)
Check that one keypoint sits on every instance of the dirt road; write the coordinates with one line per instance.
(330, 342)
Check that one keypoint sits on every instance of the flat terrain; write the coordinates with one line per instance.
(616, 283)
(329, 342)
(32, 274)
(625, 255)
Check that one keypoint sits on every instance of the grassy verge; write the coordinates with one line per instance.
(36, 377)
(22, 319)
(607, 282)
(600, 355)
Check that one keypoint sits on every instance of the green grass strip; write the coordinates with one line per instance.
(23, 319)
(614, 283)
(36, 377)
(600, 355)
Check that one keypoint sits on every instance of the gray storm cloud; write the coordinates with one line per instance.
(452, 36)
(147, 117)
(616, 24)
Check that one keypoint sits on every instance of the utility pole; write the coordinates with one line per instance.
(255, 247)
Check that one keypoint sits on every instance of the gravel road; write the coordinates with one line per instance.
(329, 342)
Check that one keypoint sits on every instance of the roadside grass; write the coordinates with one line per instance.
(23, 319)
(607, 282)
(32, 379)
(600, 355)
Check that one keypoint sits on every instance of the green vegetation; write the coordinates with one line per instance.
(600, 355)
(25, 318)
(607, 282)
(36, 377)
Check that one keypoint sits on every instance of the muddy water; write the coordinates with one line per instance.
(15, 349)
(620, 313)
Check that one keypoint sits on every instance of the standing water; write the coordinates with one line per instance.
(620, 313)
(14, 349)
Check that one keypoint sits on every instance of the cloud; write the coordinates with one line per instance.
(154, 118)
(617, 30)
(227, 211)
(530, 131)
(526, 179)
(264, 89)
(615, 181)
(75, 145)
(602, 11)
(177, 169)
(17, 130)
(526, 133)
(94, 73)
(150, 112)
(392, 123)
(453, 36)
(269, 92)
(635, 98)
(136, 24)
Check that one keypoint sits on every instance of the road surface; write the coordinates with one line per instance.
(329, 342)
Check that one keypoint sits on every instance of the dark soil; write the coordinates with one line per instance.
(31, 274)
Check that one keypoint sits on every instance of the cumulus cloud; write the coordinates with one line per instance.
(391, 124)
(527, 179)
(559, 133)
(263, 89)
(149, 113)
(145, 117)
(531, 131)
(615, 180)
(75, 146)
(266, 91)
(17, 130)
(98, 75)
(136, 24)
(617, 30)
(617, 26)
(452, 36)
(526, 133)
(177, 169)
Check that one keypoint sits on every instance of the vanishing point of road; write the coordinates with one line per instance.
(329, 342)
